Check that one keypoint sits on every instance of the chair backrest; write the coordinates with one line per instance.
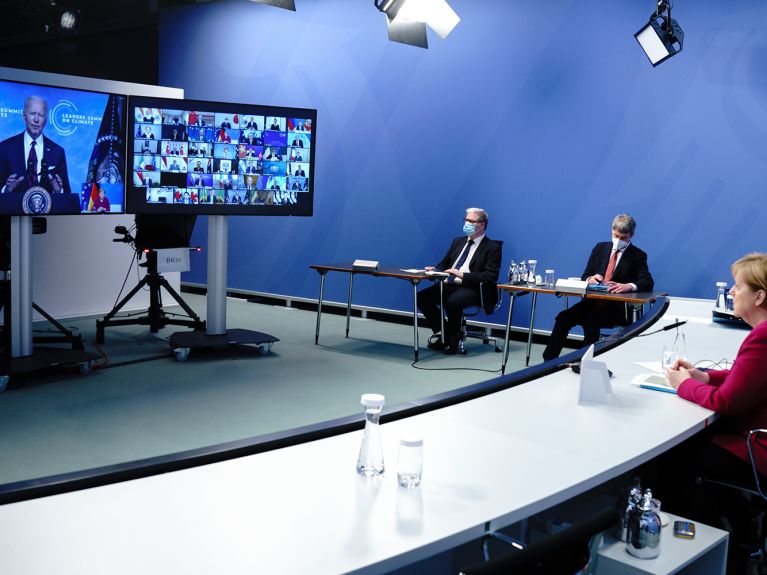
(562, 553)
(489, 293)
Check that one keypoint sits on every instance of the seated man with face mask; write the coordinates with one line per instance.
(469, 261)
(619, 265)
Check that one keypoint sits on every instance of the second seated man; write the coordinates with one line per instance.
(471, 260)
(622, 267)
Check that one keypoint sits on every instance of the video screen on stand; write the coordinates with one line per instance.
(62, 150)
(201, 157)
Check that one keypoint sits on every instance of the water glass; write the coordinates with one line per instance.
(549, 278)
(670, 355)
(410, 462)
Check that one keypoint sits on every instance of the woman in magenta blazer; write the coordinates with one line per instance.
(688, 474)
(739, 394)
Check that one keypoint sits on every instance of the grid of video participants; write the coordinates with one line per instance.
(189, 157)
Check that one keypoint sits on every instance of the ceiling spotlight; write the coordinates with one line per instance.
(407, 19)
(661, 37)
(69, 20)
(286, 4)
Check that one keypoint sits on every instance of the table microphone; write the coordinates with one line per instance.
(677, 323)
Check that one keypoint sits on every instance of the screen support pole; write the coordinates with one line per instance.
(218, 227)
(21, 286)
(216, 334)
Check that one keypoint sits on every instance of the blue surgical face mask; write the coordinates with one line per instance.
(469, 229)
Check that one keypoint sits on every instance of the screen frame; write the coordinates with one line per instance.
(78, 193)
(136, 196)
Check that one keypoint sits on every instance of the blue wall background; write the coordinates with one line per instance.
(547, 114)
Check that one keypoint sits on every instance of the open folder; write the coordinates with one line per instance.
(654, 381)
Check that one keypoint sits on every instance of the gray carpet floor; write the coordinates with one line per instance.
(140, 402)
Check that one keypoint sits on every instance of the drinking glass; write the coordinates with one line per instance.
(670, 355)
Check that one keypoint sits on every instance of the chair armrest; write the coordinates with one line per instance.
(484, 286)
(749, 439)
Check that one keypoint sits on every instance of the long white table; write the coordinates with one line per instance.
(303, 509)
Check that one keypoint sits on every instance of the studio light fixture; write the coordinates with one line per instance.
(286, 4)
(407, 19)
(69, 20)
(661, 37)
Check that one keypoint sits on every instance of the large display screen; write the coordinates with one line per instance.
(62, 151)
(212, 158)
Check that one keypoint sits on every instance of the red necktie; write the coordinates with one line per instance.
(611, 266)
(32, 164)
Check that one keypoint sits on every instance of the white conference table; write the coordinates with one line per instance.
(303, 509)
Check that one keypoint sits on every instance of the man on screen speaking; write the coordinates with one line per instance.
(31, 159)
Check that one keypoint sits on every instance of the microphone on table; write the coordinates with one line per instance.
(677, 323)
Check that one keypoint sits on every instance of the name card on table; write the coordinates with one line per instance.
(365, 265)
(595, 379)
(571, 286)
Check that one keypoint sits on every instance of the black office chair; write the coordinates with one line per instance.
(563, 553)
(757, 500)
(490, 300)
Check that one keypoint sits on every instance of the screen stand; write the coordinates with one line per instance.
(21, 286)
(20, 357)
(216, 334)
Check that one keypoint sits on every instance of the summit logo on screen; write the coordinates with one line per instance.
(65, 118)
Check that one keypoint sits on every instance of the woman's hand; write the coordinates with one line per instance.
(675, 377)
(683, 369)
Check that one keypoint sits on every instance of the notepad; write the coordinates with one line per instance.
(653, 381)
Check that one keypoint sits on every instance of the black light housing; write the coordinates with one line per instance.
(661, 37)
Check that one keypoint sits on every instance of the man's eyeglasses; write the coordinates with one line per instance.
(468, 221)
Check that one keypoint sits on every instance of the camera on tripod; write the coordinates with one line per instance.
(154, 232)
(126, 238)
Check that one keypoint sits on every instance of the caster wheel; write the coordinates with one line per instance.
(4, 379)
(265, 348)
(182, 353)
(86, 367)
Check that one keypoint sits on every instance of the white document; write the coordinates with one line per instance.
(412, 271)
(653, 366)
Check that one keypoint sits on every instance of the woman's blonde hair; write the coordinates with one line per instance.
(752, 271)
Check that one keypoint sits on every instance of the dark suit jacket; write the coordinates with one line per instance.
(12, 161)
(632, 267)
(483, 267)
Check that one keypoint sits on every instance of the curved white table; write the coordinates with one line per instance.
(303, 509)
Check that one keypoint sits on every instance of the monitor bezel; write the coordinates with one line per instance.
(125, 104)
(136, 196)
